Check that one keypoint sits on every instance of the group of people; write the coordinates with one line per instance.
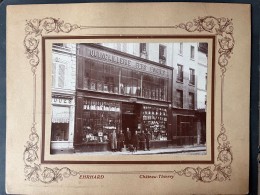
(132, 142)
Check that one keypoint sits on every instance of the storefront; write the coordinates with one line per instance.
(62, 125)
(188, 128)
(118, 91)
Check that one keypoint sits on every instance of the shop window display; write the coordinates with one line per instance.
(60, 132)
(100, 118)
(155, 121)
(60, 123)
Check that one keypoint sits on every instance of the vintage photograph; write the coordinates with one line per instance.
(129, 98)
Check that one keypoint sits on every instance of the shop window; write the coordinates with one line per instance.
(162, 54)
(126, 82)
(101, 77)
(192, 52)
(180, 73)
(60, 123)
(155, 122)
(108, 79)
(147, 86)
(112, 79)
(179, 102)
(137, 83)
(191, 101)
(192, 76)
(143, 50)
(100, 118)
(181, 48)
(162, 91)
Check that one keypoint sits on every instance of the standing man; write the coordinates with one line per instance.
(142, 140)
(135, 141)
(121, 139)
(148, 138)
(113, 141)
(128, 137)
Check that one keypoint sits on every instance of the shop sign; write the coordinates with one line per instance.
(63, 101)
(127, 62)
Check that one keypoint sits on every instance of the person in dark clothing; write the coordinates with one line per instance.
(135, 141)
(120, 139)
(113, 141)
(128, 137)
(142, 140)
(148, 138)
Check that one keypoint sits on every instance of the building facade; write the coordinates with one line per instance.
(117, 90)
(63, 96)
(157, 87)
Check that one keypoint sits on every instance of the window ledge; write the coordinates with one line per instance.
(193, 59)
(179, 81)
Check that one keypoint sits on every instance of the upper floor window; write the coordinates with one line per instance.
(180, 73)
(143, 50)
(191, 101)
(192, 76)
(192, 52)
(58, 75)
(162, 54)
(179, 102)
(181, 48)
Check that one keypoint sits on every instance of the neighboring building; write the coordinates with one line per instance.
(63, 96)
(202, 91)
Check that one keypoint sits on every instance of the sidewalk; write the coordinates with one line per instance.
(176, 150)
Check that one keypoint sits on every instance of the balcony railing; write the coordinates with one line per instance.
(180, 76)
(192, 79)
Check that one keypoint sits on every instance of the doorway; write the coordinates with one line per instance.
(129, 121)
(130, 113)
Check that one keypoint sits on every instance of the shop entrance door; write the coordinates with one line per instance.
(185, 128)
(129, 117)
(129, 121)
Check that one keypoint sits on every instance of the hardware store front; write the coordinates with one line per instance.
(118, 91)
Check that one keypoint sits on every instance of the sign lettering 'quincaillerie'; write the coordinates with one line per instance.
(129, 63)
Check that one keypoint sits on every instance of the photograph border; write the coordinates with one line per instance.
(222, 28)
(210, 37)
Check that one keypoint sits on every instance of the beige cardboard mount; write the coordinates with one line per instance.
(27, 28)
